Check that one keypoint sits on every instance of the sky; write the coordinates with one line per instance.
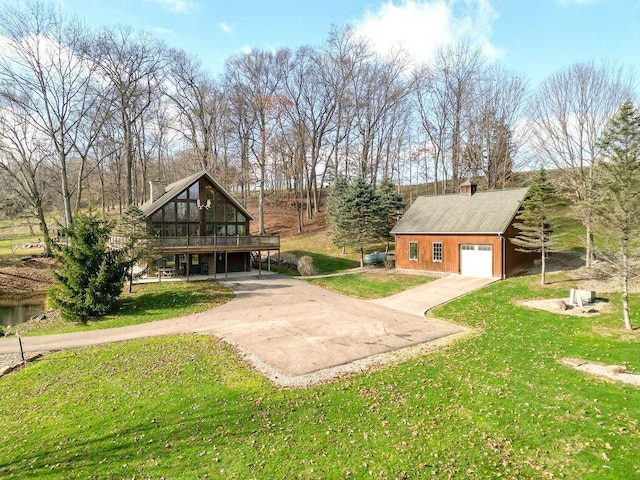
(533, 38)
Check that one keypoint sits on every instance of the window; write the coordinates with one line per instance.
(436, 248)
(413, 250)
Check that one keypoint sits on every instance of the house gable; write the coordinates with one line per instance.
(197, 206)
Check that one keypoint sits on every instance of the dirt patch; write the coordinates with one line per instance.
(572, 263)
(614, 372)
(563, 307)
(25, 278)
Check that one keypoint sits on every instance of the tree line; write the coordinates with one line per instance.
(88, 117)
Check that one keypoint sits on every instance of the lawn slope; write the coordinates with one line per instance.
(496, 404)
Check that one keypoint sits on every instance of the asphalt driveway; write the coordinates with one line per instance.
(284, 326)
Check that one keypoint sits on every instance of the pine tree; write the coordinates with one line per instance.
(356, 216)
(136, 238)
(392, 204)
(335, 205)
(362, 216)
(90, 277)
(533, 220)
(617, 199)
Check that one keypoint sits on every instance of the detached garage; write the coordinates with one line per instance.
(466, 234)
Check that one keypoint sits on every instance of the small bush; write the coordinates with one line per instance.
(305, 266)
(1, 331)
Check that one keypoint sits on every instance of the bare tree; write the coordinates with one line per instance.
(22, 154)
(568, 114)
(195, 96)
(133, 64)
(493, 133)
(256, 77)
(46, 74)
(313, 107)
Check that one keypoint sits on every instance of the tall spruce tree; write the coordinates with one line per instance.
(392, 204)
(137, 238)
(617, 199)
(90, 277)
(335, 203)
(533, 221)
(357, 217)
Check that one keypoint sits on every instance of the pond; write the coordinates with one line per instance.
(20, 310)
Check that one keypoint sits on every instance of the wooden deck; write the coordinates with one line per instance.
(239, 243)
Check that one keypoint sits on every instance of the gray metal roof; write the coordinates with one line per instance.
(483, 212)
(172, 190)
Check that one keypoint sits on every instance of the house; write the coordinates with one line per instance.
(466, 233)
(202, 229)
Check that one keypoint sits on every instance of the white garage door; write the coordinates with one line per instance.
(476, 260)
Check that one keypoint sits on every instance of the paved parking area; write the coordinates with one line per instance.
(286, 327)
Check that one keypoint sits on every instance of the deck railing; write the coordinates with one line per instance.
(253, 242)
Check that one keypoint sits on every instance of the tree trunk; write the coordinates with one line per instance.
(543, 267)
(626, 310)
(589, 247)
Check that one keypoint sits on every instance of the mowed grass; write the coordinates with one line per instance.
(495, 404)
(147, 303)
(327, 258)
(370, 285)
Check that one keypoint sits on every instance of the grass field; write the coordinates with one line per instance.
(370, 285)
(148, 302)
(497, 404)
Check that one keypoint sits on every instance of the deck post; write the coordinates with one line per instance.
(188, 264)
(226, 264)
(259, 263)
(215, 265)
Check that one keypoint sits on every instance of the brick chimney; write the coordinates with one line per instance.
(156, 189)
(468, 188)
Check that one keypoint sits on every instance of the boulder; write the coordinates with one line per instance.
(559, 305)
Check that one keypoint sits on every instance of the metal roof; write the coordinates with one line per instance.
(172, 190)
(483, 212)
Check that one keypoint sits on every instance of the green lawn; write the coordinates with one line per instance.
(370, 285)
(327, 258)
(497, 404)
(147, 303)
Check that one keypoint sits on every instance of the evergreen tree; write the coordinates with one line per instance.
(90, 277)
(362, 216)
(392, 204)
(533, 220)
(136, 237)
(617, 199)
(335, 205)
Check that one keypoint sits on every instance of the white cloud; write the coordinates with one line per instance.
(225, 27)
(576, 2)
(163, 31)
(421, 26)
(177, 6)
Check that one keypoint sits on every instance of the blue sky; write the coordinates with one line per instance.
(534, 38)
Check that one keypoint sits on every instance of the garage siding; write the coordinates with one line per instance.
(450, 251)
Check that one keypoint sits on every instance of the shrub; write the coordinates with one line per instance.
(306, 267)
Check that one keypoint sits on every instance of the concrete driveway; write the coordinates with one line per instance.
(285, 327)
(419, 300)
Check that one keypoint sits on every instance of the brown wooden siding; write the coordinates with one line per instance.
(517, 261)
(513, 262)
(450, 251)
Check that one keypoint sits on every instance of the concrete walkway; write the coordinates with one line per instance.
(289, 328)
(419, 300)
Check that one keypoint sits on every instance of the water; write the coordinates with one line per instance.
(13, 312)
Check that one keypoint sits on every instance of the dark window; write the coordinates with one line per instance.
(413, 250)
